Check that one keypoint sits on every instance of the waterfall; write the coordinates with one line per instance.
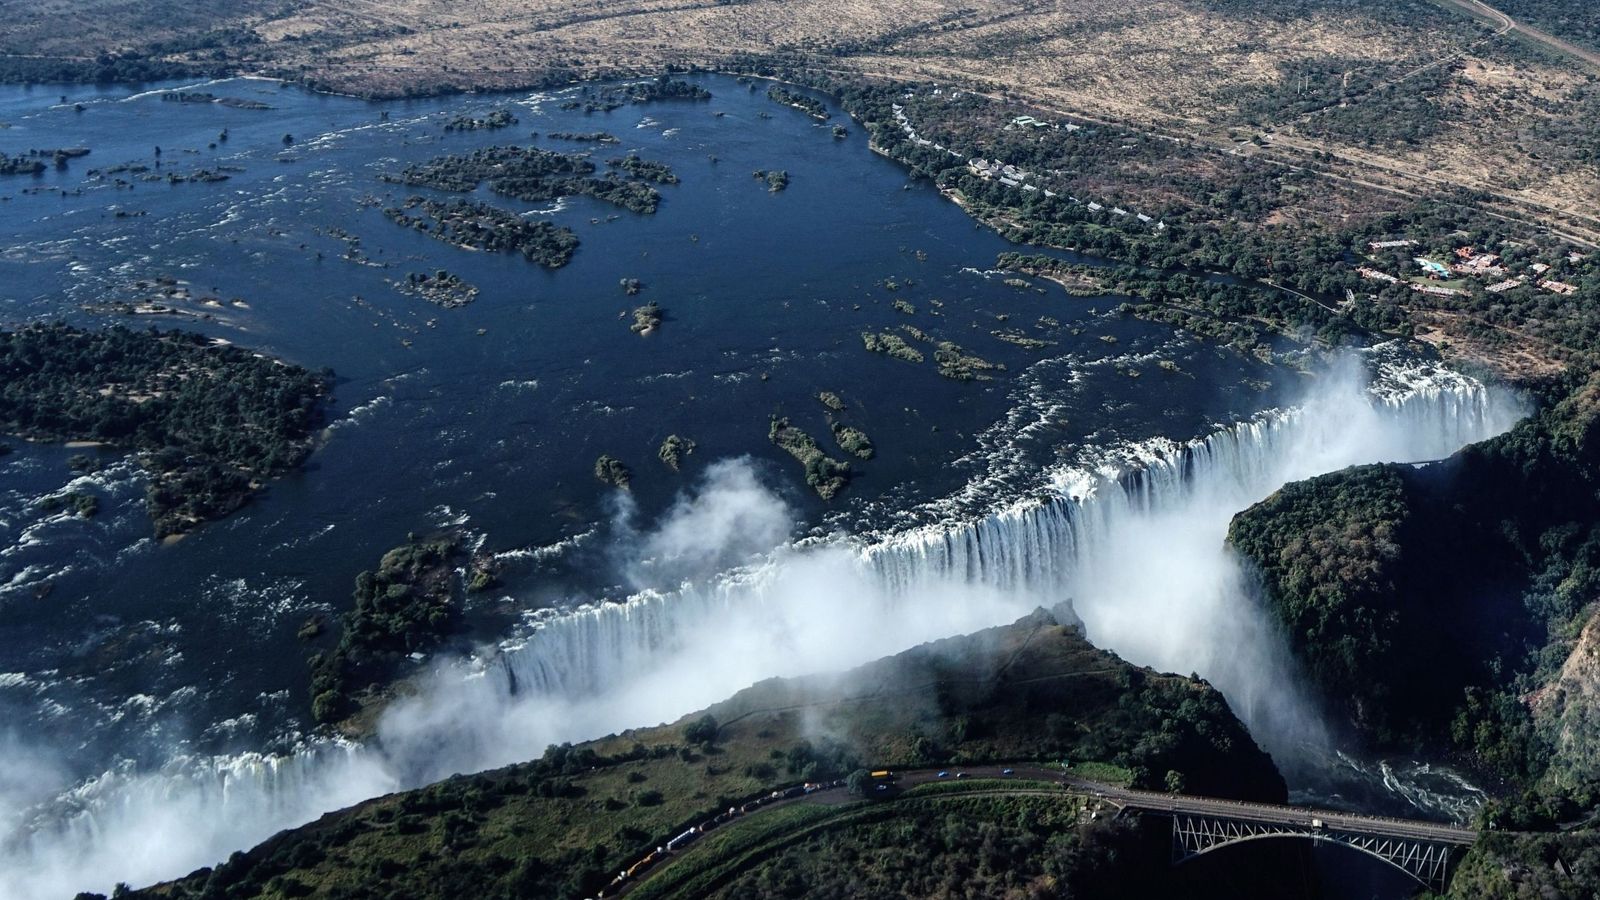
(1130, 538)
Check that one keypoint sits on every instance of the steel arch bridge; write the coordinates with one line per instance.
(1426, 861)
(1422, 850)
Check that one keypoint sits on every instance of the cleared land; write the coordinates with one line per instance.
(1498, 116)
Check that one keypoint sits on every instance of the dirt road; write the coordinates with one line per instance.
(1506, 23)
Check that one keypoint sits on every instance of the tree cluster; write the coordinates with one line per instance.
(208, 421)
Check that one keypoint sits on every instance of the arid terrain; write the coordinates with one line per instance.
(1459, 93)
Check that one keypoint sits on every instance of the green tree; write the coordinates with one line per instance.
(858, 782)
(702, 731)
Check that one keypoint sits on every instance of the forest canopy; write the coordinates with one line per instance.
(210, 422)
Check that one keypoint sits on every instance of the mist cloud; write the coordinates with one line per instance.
(728, 520)
(1142, 559)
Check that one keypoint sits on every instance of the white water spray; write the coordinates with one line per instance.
(1133, 537)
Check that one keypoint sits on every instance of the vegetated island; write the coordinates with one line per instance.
(605, 99)
(644, 169)
(814, 108)
(952, 361)
(20, 165)
(498, 119)
(776, 179)
(612, 471)
(827, 476)
(529, 174)
(83, 504)
(646, 319)
(853, 441)
(956, 363)
(1020, 339)
(595, 137)
(673, 450)
(568, 823)
(32, 163)
(408, 607)
(891, 345)
(442, 288)
(203, 97)
(209, 422)
(480, 226)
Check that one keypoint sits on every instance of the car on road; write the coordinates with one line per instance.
(1007, 772)
(944, 774)
(961, 774)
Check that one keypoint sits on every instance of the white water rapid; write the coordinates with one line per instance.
(1133, 537)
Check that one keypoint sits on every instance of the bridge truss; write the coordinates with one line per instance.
(1426, 861)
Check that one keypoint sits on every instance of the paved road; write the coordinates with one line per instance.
(1126, 798)
(1544, 37)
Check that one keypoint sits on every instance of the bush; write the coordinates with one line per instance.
(702, 731)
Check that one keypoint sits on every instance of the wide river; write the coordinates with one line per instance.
(124, 661)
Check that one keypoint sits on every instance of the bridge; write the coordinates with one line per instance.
(1199, 824)
(1203, 824)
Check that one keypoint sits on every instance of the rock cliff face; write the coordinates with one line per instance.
(1425, 601)
(1567, 713)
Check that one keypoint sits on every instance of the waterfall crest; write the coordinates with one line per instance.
(1129, 538)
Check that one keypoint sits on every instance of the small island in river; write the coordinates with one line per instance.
(479, 226)
(827, 476)
(408, 607)
(534, 175)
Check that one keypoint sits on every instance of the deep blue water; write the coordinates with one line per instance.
(489, 417)
(434, 423)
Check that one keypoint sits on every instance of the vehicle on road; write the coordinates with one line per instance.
(1007, 771)
(944, 774)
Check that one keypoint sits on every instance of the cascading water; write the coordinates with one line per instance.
(1132, 536)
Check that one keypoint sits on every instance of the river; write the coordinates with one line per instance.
(145, 687)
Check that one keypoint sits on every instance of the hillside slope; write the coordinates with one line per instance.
(562, 826)
(1455, 607)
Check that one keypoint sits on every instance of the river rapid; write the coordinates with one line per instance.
(153, 699)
